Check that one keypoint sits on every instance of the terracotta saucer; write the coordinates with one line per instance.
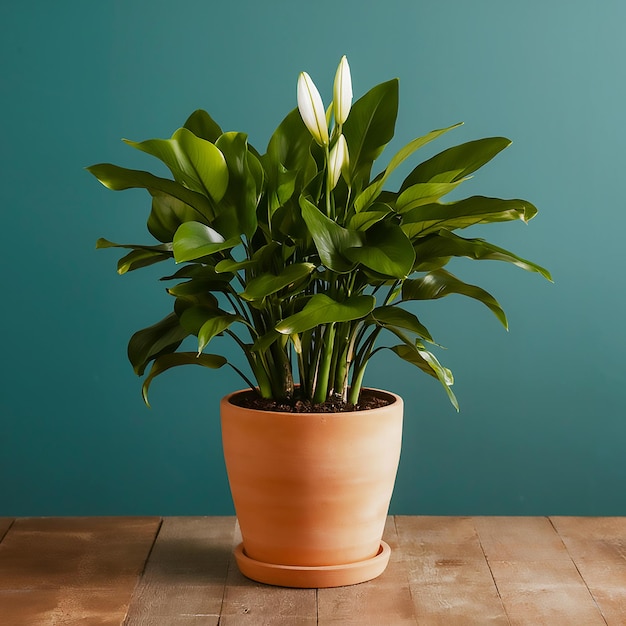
(313, 577)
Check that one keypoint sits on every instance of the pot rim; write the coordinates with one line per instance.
(227, 399)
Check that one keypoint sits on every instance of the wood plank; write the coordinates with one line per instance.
(5, 524)
(520, 539)
(593, 538)
(248, 602)
(598, 547)
(385, 600)
(449, 577)
(185, 576)
(607, 583)
(545, 592)
(72, 570)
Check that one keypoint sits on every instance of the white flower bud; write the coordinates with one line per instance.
(312, 109)
(338, 161)
(342, 91)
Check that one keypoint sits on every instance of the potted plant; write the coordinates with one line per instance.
(304, 259)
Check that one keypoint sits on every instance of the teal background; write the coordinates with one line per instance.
(541, 428)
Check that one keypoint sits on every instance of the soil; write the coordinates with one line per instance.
(368, 400)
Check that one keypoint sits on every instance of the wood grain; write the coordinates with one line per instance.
(534, 572)
(545, 592)
(520, 539)
(443, 571)
(72, 570)
(185, 576)
(598, 547)
(449, 577)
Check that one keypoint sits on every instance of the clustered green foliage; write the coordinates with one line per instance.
(301, 256)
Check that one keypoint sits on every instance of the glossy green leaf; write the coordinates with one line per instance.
(267, 284)
(464, 213)
(457, 162)
(396, 317)
(288, 162)
(321, 309)
(331, 240)
(364, 220)
(140, 256)
(160, 338)
(163, 248)
(423, 193)
(196, 163)
(365, 198)
(207, 272)
(369, 128)
(199, 291)
(167, 214)
(230, 265)
(428, 363)
(386, 250)
(194, 240)
(214, 326)
(167, 361)
(202, 125)
(440, 283)
(236, 213)
(120, 178)
(437, 249)
(264, 342)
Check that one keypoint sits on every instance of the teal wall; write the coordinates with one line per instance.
(542, 428)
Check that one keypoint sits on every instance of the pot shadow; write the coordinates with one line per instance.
(196, 561)
(182, 560)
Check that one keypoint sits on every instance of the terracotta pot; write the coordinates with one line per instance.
(312, 491)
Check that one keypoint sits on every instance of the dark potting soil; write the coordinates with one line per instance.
(368, 400)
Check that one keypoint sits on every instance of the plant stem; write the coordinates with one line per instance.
(321, 390)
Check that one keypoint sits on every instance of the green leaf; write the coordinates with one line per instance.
(199, 291)
(369, 194)
(202, 125)
(423, 193)
(194, 162)
(263, 343)
(213, 326)
(236, 213)
(440, 283)
(167, 214)
(386, 250)
(464, 213)
(457, 162)
(369, 128)
(160, 338)
(167, 361)
(206, 272)
(194, 240)
(436, 250)
(397, 317)
(266, 284)
(288, 162)
(230, 265)
(331, 240)
(427, 362)
(321, 309)
(120, 178)
(141, 256)
(364, 220)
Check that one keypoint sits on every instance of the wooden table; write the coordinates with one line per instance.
(452, 571)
